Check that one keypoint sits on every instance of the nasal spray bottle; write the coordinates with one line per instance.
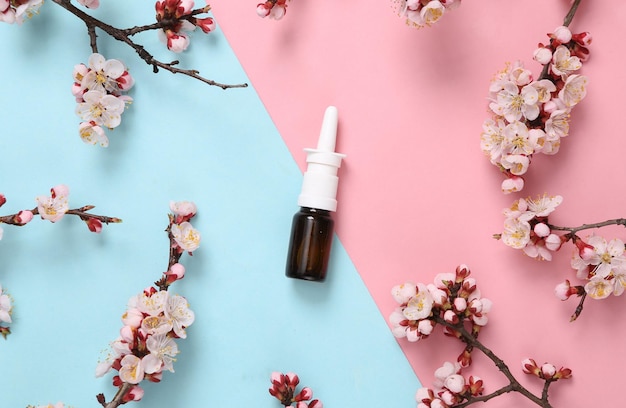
(312, 228)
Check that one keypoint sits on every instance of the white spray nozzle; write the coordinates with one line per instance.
(319, 187)
(328, 134)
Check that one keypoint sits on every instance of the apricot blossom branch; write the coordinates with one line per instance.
(55, 207)
(600, 262)
(454, 302)
(155, 318)
(531, 116)
(172, 18)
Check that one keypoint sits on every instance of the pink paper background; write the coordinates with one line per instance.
(417, 197)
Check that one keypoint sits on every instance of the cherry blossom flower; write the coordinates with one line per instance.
(163, 350)
(563, 62)
(151, 303)
(108, 76)
(53, 208)
(178, 312)
(183, 210)
(131, 370)
(574, 90)
(186, 236)
(91, 133)
(101, 108)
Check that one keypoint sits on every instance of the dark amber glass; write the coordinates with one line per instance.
(309, 245)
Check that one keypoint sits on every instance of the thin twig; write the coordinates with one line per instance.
(123, 36)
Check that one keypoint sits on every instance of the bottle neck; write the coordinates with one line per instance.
(316, 211)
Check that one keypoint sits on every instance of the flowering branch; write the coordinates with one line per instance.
(454, 302)
(531, 116)
(601, 263)
(123, 35)
(154, 319)
(284, 389)
(53, 208)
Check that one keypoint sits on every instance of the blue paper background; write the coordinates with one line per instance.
(179, 140)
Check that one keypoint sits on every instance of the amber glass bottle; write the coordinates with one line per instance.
(312, 228)
(309, 245)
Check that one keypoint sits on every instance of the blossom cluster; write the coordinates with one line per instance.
(449, 388)
(423, 13)
(546, 371)
(454, 302)
(274, 9)
(452, 297)
(284, 389)
(601, 263)
(526, 226)
(17, 11)
(154, 319)
(531, 116)
(6, 309)
(100, 90)
(177, 20)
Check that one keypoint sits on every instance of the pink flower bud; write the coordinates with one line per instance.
(177, 270)
(585, 251)
(206, 24)
(529, 366)
(263, 10)
(134, 394)
(512, 185)
(425, 327)
(125, 81)
(542, 55)
(437, 403)
(3, 200)
(24, 217)
(553, 242)
(460, 304)
(583, 39)
(448, 397)
(305, 394)
(316, 404)
(562, 290)
(548, 370)
(177, 42)
(278, 11)
(94, 225)
(542, 230)
(424, 395)
(450, 317)
(562, 34)
(455, 383)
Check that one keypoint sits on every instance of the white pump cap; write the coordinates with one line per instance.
(319, 187)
